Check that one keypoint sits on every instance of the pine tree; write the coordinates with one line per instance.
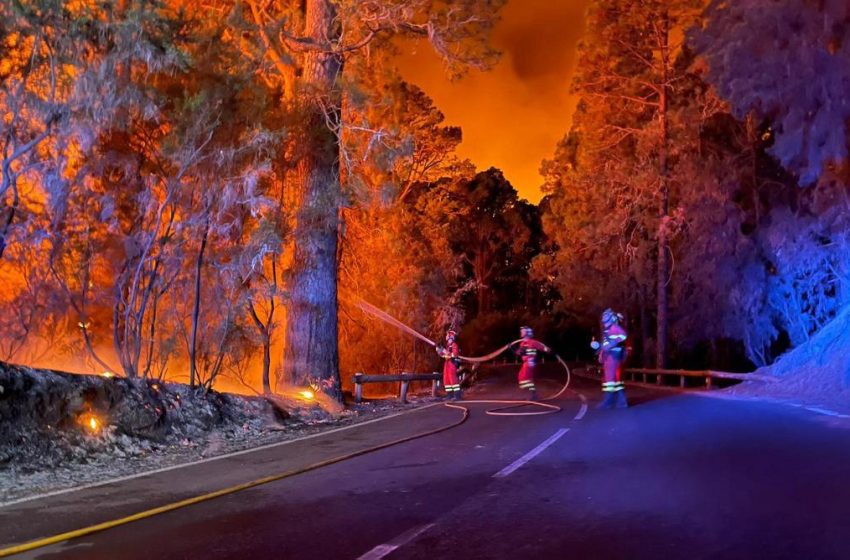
(787, 62)
(310, 45)
(622, 161)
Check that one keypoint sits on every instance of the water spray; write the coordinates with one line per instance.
(501, 411)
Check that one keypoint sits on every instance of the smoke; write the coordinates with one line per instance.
(513, 116)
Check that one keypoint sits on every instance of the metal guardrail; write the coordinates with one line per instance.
(404, 378)
(658, 376)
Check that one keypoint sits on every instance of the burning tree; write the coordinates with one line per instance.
(394, 253)
(309, 47)
(160, 168)
(38, 57)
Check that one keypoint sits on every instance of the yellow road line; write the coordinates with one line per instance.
(212, 459)
(61, 537)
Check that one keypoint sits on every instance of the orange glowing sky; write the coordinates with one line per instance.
(514, 115)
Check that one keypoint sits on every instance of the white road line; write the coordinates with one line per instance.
(383, 549)
(207, 460)
(531, 454)
(826, 411)
(583, 410)
(768, 400)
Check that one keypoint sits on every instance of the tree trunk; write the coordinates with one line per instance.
(117, 326)
(151, 335)
(311, 343)
(645, 330)
(11, 211)
(83, 314)
(196, 310)
(267, 361)
(663, 206)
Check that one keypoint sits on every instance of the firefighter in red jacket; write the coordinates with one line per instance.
(451, 354)
(529, 350)
(612, 354)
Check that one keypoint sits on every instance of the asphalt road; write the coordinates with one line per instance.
(674, 476)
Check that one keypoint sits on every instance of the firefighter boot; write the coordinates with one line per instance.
(607, 401)
(533, 395)
(458, 396)
(621, 399)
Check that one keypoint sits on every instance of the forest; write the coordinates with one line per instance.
(202, 191)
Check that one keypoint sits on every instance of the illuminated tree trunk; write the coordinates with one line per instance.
(311, 347)
(11, 210)
(265, 328)
(663, 203)
(267, 362)
(196, 308)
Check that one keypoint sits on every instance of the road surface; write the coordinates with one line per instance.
(675, 476)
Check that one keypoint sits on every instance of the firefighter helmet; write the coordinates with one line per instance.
(526, 331)
(451, 334)
(609, 317)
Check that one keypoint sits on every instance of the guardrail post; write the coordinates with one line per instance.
(682, 381)
(403, 396)
(358, 388)
(434, 384)
(659, 377)
(708, 382)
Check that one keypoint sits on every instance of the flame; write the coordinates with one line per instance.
(107, 374)
(91, 422)
(307, 394)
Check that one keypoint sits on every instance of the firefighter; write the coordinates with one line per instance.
(612, 354)
(451, 356)
(528, 349)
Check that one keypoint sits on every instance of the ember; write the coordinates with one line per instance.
(91, 423)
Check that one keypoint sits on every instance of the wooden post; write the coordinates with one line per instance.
(358, 388)
(358, 392)
(403, 395)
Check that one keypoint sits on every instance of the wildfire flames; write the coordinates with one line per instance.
(308, 394)
(91, 423)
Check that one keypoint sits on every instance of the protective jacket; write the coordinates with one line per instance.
(529, 350)
(612, 354)
(451, 354)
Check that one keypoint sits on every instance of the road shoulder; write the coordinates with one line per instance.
(37, 518)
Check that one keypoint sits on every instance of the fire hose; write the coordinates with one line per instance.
(499, 411)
